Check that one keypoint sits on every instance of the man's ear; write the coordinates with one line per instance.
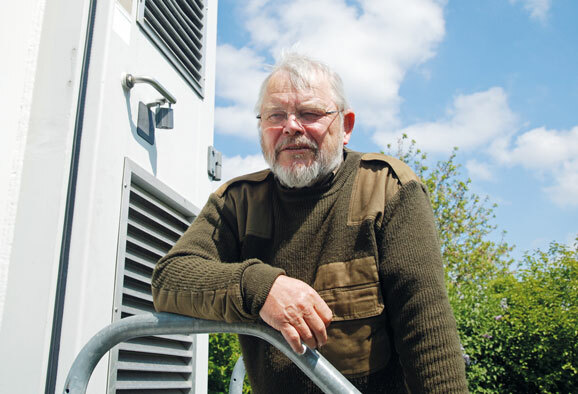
(348, 122)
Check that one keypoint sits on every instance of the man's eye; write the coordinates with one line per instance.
(310, 115)
(276, 116)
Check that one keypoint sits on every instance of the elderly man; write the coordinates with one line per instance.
(331, 247)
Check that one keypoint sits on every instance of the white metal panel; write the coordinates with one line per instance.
(41, 80)
(178, 29)
(178, 159)
(153, 217)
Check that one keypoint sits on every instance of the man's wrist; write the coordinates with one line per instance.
(256, 283)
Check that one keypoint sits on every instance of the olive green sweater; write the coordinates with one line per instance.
(392, 330)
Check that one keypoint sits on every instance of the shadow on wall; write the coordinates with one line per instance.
(145, 134)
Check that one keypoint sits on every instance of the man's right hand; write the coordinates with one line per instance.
(298, 312)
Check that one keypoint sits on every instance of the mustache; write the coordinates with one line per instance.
(299, 140)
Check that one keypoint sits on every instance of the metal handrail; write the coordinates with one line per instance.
(129, 80)
(237, 377)
(314, 365)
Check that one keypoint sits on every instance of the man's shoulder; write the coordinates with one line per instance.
(375, 161)
(254, 178)
(378, 180)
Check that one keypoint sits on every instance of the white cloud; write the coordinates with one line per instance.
(240, 72)
(543, 149)
(478, 170)
(483, 123)
(236, 120)
(371, 45)
(237, 165)
(564, 191)
(478, 121)
(538, 9)
(552, 155)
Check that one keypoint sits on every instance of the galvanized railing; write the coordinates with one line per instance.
(315, 366)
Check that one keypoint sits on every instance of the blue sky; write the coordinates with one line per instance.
(496, 78)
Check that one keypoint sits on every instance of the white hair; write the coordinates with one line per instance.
(302, 71)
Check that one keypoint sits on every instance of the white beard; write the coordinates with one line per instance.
(300, 175)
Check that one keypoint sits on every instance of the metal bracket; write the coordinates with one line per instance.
(129, 80)
(214, 163)
(163, 117)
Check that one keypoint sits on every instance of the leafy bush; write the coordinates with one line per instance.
(518, 328)
(224, 351)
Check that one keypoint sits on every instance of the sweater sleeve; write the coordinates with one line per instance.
(417, 304)
(201, 276)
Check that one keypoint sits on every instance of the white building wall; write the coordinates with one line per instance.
(19, 43)
(42, 80)
(38, 93)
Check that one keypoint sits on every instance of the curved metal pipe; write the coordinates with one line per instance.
(237, 377)
(315, 366)
(129, 80)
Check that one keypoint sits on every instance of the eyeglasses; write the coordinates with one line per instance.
(305, 116)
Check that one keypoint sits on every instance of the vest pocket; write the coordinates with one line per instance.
(358, 342)
(351, 289)
(358, 347)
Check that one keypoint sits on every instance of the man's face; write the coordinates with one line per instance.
(308, 140)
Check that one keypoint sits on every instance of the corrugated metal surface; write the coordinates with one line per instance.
(160, 364)
(177, 27)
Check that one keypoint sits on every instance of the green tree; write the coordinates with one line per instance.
(540, 321)
(518, 327)
(464, 219)
(519, 330)
(224, 351)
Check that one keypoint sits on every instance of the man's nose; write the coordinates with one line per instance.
(292, 125)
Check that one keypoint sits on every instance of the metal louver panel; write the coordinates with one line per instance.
(177, 27)
(153, 217)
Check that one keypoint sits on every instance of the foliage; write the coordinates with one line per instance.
(518, 328)
(464, 219)
(224, 351)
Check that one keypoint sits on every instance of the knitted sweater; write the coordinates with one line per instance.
(393, 329)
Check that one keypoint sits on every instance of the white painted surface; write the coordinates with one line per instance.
(45, 77)
(178, 159)
(19, 44)
(41, 104)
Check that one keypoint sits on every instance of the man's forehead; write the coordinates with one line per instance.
(280, 99)
(281, 90)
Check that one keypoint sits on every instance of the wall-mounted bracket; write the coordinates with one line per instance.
(129, 80)
(214, 164)
(163, 115)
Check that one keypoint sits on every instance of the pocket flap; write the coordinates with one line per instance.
(351, 289)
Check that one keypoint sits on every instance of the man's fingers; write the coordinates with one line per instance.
(317, 328)
(323, 311)
(305, 332)
(293, 339)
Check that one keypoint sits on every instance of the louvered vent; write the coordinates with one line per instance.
(177, 27)
(154, 218)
